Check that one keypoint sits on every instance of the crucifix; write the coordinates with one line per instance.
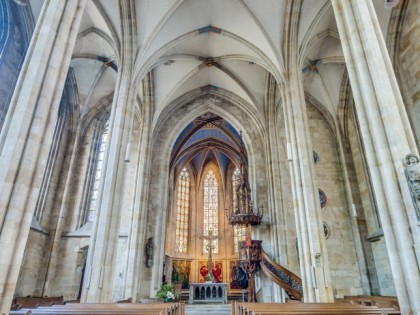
(210, 248)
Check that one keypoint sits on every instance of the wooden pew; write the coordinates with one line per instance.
(106, 309)
(175, 308)
(305, 308)
(380, 301)
(31, 301)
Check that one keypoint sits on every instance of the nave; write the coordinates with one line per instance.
(262, 145)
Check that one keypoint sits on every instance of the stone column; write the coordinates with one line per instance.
(387, 138)
(28, 132)
(103, 244)
(278, 233)
(309, 225)
(313, 253)
(138, 226)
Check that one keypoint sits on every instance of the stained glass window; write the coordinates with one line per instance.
(182, 211)
(211, 211)
(98, 172)
(238, 230)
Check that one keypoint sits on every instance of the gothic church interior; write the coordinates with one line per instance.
(123, 122)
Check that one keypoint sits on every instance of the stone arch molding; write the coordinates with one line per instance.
(165, 134)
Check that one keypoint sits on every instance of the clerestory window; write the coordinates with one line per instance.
(98, 172)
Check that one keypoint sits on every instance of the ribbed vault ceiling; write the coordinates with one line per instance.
(189, 44)
(208, 139)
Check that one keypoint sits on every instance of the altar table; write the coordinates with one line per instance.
(208, 293)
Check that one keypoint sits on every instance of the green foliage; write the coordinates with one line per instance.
(209, 277)
(163, 291)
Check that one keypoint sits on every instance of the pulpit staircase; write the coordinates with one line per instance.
(290, 282)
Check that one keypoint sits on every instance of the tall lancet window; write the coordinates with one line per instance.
(182, 212)
(211, 210)
(98, 172)
(238, 230)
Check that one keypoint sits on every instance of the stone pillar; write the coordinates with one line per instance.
(103, 244)
(105, 231)
(28, 132)
(138, 226)
(278, 235)
(313, 254)
(387, 139)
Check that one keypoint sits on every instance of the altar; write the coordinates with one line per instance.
(208, 293)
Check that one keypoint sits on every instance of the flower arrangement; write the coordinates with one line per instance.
(166, 292)
(208, 278)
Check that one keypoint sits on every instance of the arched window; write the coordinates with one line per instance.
(52, 158)
(211, 210)
(182, 212)
(238, 230)
(98, 172)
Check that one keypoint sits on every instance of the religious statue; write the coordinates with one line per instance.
(149, 250)
(175, 275)
(217, 273)
(412, 172)
(238, 277)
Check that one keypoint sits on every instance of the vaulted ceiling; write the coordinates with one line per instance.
(207, 139)
(190, 44)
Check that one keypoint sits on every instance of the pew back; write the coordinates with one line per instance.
(106, 309)
(306, 308)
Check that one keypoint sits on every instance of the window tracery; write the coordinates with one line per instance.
(98, 172)
(211, 211)
(238, 230)
(182, 212)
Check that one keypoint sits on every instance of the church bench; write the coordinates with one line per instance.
(82, 311)
(89, 312)
(380, 301)
(175, 308)
(325, 311)
(302, 308)
(107, 309)
(31, 302)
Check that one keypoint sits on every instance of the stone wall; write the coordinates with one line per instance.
(409, 64)
(69, 271)
(287, 210)
(379, 261)
(32, 262)
(343, 262)
(33, 272)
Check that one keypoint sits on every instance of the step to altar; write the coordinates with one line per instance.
(208, 309)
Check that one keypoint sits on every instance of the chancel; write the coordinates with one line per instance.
(267, 147)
